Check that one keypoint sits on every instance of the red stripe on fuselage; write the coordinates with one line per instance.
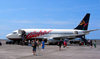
(37, 34)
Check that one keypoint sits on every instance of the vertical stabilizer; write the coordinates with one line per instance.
(84, 23)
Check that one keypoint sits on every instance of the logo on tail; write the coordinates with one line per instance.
(84, 23)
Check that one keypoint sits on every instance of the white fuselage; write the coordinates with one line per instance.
(47, 33)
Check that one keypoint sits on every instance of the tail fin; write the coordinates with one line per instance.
(84, 23)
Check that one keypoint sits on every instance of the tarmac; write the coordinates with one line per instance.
(50, 52)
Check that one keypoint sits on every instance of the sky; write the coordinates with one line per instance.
(48, 14)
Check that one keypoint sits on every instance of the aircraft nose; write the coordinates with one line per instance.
(8, 36)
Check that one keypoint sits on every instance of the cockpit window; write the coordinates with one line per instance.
(14, 32)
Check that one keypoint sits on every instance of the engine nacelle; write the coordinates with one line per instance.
(75, 32)
(52, 41)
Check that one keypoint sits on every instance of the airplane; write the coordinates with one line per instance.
(51, 35)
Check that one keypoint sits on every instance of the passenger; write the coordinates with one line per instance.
(94, 44)
(91, 43)
(34, 44)
(0, 44)
(84, 43)
(43, 45)
(65, 43)
(60, 44)
(79, 43)
(38, 43)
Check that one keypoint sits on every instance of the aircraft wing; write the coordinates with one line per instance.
(92, 30)
(75, 35)
(65, 36)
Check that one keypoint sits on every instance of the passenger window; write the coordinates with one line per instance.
(14, 32)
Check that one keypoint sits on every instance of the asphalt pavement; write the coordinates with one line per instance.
(50, 52)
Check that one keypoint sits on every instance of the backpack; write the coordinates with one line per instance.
(34, 44)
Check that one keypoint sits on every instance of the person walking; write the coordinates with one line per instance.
(38, 43)
(65, 43)
(91, 43)
(94, 43)
(60, 44)
(38, 48)
(43, 45)
(34, 44)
